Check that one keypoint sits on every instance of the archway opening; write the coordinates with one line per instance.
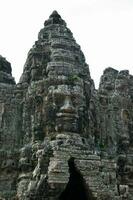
(76, 188)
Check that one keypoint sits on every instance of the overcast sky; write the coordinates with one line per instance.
(103, 29)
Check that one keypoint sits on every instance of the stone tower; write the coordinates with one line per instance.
(60, 138)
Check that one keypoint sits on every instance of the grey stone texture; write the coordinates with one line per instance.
(61, 139)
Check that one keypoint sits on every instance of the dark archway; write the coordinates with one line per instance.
(76, 188)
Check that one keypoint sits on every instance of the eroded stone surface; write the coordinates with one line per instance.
(55, 115)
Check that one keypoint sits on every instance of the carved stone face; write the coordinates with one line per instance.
(68, 102)
(121, 84)
(122, 81)
(107, 82)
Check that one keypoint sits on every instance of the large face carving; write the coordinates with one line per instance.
(121, 84)
(107, 82)
(67, 102)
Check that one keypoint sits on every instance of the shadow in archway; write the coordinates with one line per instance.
(76, 188)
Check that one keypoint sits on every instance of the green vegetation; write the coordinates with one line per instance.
(73, 78)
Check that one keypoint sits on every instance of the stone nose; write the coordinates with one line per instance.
(67, 106)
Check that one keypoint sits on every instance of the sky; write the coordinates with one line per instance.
(103, 29)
